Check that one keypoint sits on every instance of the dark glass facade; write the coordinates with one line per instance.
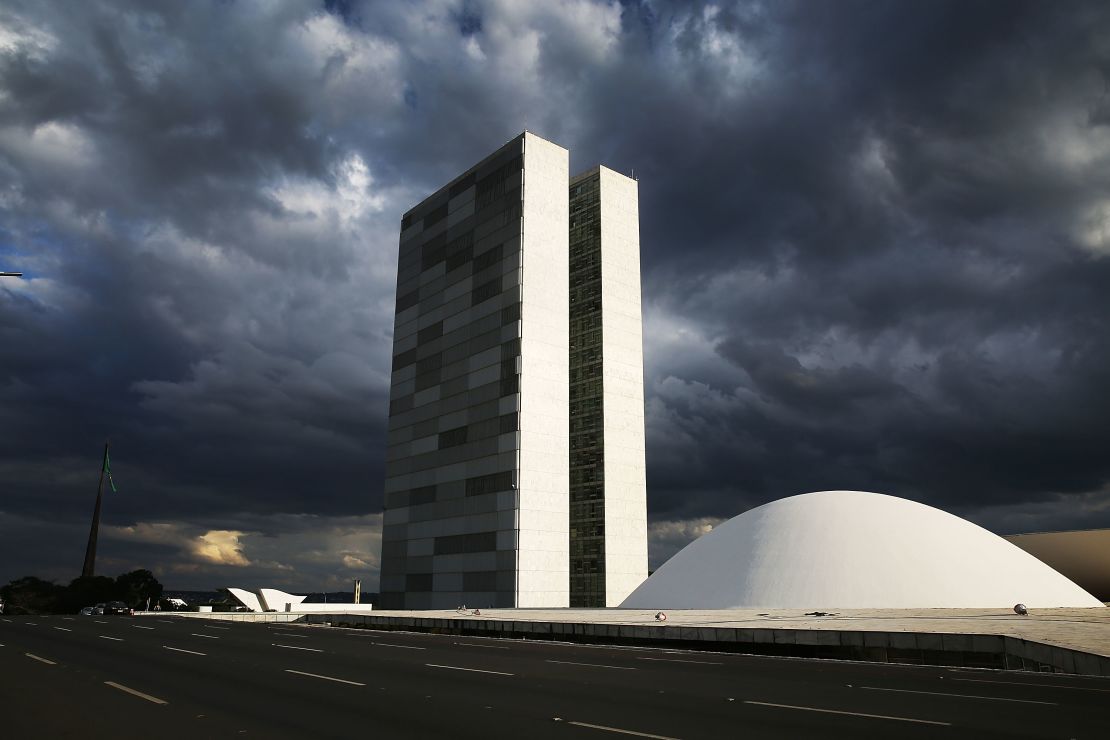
(587, 448)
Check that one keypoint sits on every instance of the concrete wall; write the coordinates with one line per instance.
(626, 557)
(543, 525)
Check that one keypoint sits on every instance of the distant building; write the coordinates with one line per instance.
(484, 505)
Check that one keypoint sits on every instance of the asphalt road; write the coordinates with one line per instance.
(111, 676)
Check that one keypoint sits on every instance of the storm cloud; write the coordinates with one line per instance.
(876, 255)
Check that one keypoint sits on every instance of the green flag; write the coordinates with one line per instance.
(108, 470)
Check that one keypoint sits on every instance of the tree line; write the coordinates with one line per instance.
(31, 595)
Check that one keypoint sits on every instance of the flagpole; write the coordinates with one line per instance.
(90, 552)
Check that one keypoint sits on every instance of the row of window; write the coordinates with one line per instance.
(503, 424)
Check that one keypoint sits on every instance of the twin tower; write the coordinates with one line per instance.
(515, 471)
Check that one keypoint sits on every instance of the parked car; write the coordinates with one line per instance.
(116, 607)
(92, 611)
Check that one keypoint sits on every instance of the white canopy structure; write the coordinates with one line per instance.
(850, 549)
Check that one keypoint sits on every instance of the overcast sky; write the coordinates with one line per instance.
(876, 256)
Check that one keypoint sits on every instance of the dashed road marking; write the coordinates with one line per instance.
(115, 639)
(63, 629)
(32, 656)
(290, 634)
(471, 670)
(850, 714)
(207, 637)
(133, 692)
(100, 621)
(326, 678)
(214, 627)
(295, 647)
(592, 665)
(678, 660)
(959, 696)
(476, 644)
(183, 650)
(141, 627)
(392, 644)
(1038, 685)
(620, 731)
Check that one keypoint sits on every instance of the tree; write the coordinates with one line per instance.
(30, 595)
(86, 591)
(136, 587)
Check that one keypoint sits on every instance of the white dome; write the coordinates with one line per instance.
(849, 549)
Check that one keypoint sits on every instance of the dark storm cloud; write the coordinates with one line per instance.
(875, 243)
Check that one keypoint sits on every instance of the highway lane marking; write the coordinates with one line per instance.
(206, 637)
(295, 647)
(63, 629)
(1039, 685)
(32, 624)
(183, 650)
(850, 714)
(472, 670)
(133, 692)
(592, 665)
(8, 621)
(326, 678)
(167, 621)
(67, 619)
(32, 656)
(618, 730)
(959, 696)
(290, 634)
(392, 644)
(677, 660)
(99, 621)
(140, 627)
(213, 627)
(105, 637)
(475, 644)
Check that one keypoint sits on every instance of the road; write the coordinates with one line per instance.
(93, 677)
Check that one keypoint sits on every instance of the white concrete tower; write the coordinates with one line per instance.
(608, 488)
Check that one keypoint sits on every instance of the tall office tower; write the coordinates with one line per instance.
(608, 489)
(476, 506)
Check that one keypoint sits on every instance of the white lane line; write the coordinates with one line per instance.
(850, 714)
(475, 644)
(67, 619)
(206, 637)
(140, 627)
(32, 624)
(8, 621)
(959, 696)
(139, 694)
(1039, 685)
(41, 660)
(591, 665)
(100, 621)
(213, 627)
(472, 670)
(294, 647)
(167, 621)
(183, 650)
(63, 629)
(105, 637)
(326, 678)
(677, 660)
(391, 644)
(290, 634)
(620, 731)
